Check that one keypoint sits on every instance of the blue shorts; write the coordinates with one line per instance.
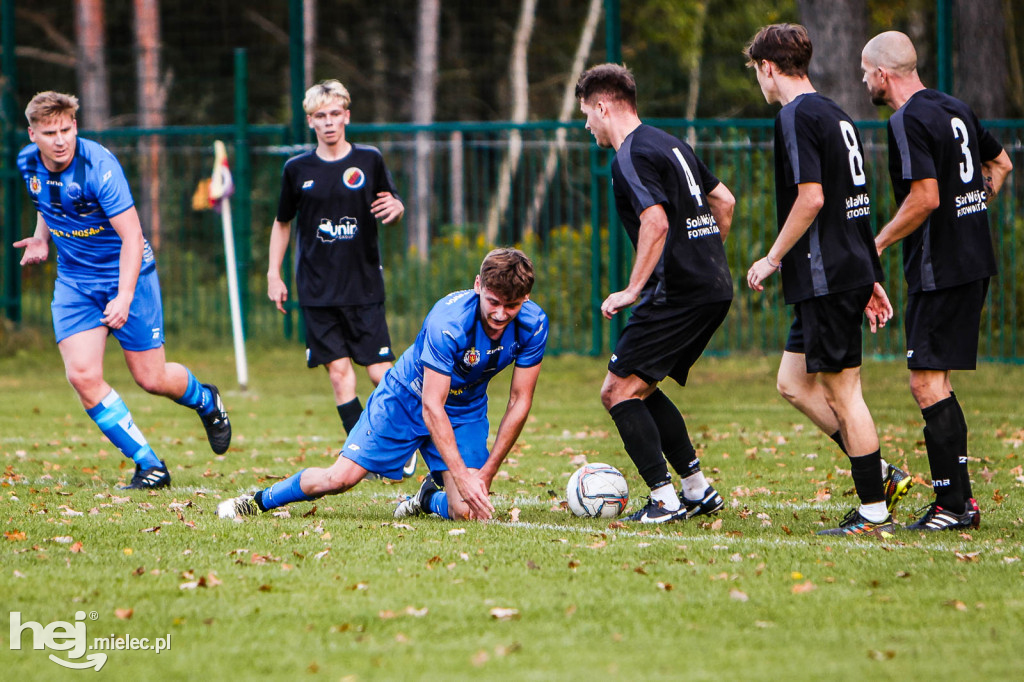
(78, 307)
(386, 435)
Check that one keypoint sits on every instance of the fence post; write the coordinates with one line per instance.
(243, 181)
(10, 294)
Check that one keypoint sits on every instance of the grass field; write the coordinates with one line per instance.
(338, 590)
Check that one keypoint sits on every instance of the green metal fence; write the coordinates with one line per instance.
(555, 198)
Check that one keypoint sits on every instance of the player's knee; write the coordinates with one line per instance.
(150, 382)
(338, 480)
(83, 379)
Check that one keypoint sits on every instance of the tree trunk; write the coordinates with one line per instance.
(696, 54)
(152, 100)
(838, 31)
(91, 64)
(520, 109)
(569, 104)
(979, 68)
(424, 104)
(308, 42)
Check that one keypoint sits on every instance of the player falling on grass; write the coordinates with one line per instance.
(830, 270)
(338, 191)
(677, 215)
(435, 400)
(106, 283)
(944, 167)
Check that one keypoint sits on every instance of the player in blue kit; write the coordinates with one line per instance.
(106, 283)
(435, 400)
(944, 168)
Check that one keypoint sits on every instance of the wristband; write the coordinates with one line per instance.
(768, 258)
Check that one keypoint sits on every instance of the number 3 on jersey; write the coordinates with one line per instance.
(960, 135)
(691, 183)
(855, 157)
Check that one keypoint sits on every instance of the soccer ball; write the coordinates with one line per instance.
(597, 491)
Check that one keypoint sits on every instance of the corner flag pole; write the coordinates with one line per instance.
(221, 189)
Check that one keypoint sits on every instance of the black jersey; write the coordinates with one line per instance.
(934, 135)
(337, 254)
(815, 141)
(653, 167)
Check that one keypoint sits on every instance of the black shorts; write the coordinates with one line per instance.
(942, 326)
(359, 332)
(661, 341)
(827, 330)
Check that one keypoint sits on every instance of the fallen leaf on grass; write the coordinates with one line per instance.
(876, 655)
(321, 555)
(804, 587)
(154, 529)
(956, 604)
(14, 535)
(64, 539)
(738, 595)
(124, 614)
(499, 613)
(513, 514)
(479, 658)
(968, 557)
(76, 548)
(664, 586)
(457, 531)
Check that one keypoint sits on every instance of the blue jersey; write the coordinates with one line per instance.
(452, 342)
(77, 205)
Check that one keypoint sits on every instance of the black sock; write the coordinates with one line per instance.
(258, 497)
(838, 438)
(349, 413)
(640, 437)
(866, 479)
(675, 439)
(943, 433)
(965, 475)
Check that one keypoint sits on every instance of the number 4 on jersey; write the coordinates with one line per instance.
(691, 183)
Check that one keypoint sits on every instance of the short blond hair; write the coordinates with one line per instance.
(323, 93)
(48, 105)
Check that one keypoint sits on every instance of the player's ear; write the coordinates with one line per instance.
(476, 284)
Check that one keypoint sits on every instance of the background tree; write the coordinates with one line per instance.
(152, 100)
(838, 30)
(980, 67)
(424, 103)
(91, 64)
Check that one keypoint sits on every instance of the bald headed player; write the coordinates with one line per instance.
(944, 167)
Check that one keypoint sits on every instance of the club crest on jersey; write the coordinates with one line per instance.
(74, 191)
(34, 185)
(354, 178)
(471, 357)
(328, 231)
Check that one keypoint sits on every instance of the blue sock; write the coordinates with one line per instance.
(439, 504)
(116, 423)
(196, 396)
(284, 492)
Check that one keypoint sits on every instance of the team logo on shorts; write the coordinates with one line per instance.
(34, 185)
(471, 357)
(354, 178)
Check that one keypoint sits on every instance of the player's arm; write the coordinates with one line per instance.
(995, 172)
(471, 486)
(37, 247)
(129, 229)
(722, 203)
(916, 207)
(280, 235)
(520, 400)
(809, 200)
(650, 243)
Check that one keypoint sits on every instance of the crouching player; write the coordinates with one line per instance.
(435, 400)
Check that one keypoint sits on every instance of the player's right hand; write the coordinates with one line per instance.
(36, 250)
(277, 292)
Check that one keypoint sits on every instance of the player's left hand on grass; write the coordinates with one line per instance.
(878, 309)
(387, 208)
(473, 491)
(759, 272)
(36, 250)
(116, 312)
